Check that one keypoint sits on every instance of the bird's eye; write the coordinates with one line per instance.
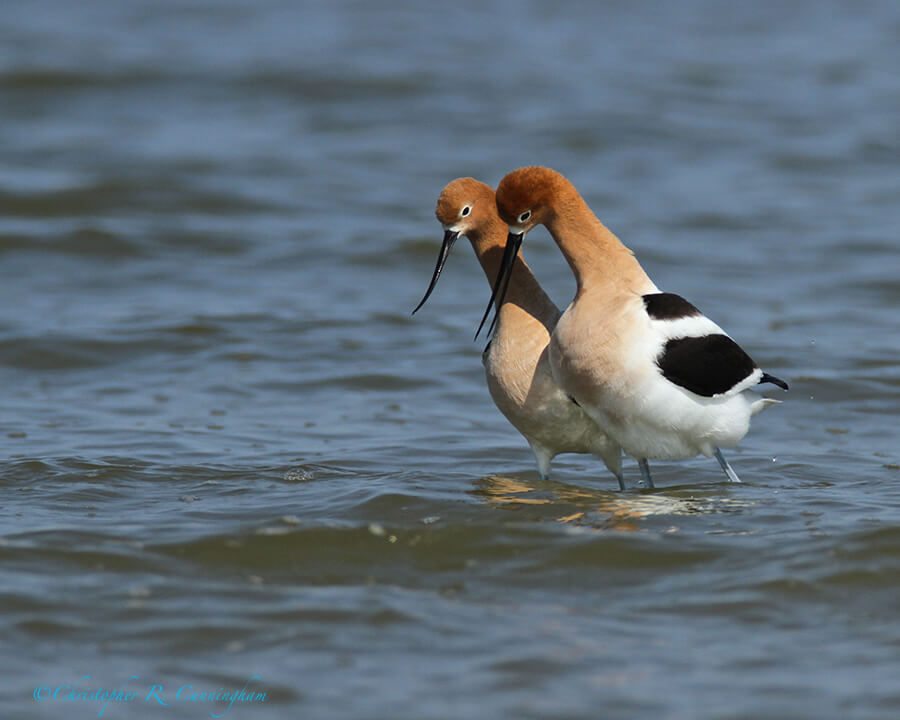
(524, 216)
(466, 210)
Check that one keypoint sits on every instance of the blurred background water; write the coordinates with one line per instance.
(226, 450)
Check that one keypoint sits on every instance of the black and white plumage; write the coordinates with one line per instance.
(704, 359)
(662, 379)
(674, 384)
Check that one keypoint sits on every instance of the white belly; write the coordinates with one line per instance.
(522, 386)
(613, 375)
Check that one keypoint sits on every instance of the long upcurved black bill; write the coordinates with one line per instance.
(449, 238)
(507, 263)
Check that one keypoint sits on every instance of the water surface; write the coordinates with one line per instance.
(227, 450)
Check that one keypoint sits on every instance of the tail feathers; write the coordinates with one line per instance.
(766, 378)
(757, 406)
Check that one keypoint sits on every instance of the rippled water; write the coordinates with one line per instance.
(227, 451)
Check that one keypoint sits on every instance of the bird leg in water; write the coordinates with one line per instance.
(645, 473)
(732, 475)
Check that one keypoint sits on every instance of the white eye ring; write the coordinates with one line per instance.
(466, 210)
(524, 216)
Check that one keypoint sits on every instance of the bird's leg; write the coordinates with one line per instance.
(732, 475)
(645, 473)
(543, 458)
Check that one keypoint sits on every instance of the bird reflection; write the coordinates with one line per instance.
(578, 505)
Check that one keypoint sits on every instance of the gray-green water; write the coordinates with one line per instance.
(227, 451)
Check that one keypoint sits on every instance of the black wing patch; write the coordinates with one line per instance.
(707, 365)
(668, 306)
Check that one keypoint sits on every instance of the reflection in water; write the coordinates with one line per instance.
(597, 508)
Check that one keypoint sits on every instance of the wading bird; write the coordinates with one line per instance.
(516, 359)
(655, 373)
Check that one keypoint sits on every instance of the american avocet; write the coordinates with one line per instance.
(663, 380)
(516, 359)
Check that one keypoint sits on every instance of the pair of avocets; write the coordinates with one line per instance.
(626, 367)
